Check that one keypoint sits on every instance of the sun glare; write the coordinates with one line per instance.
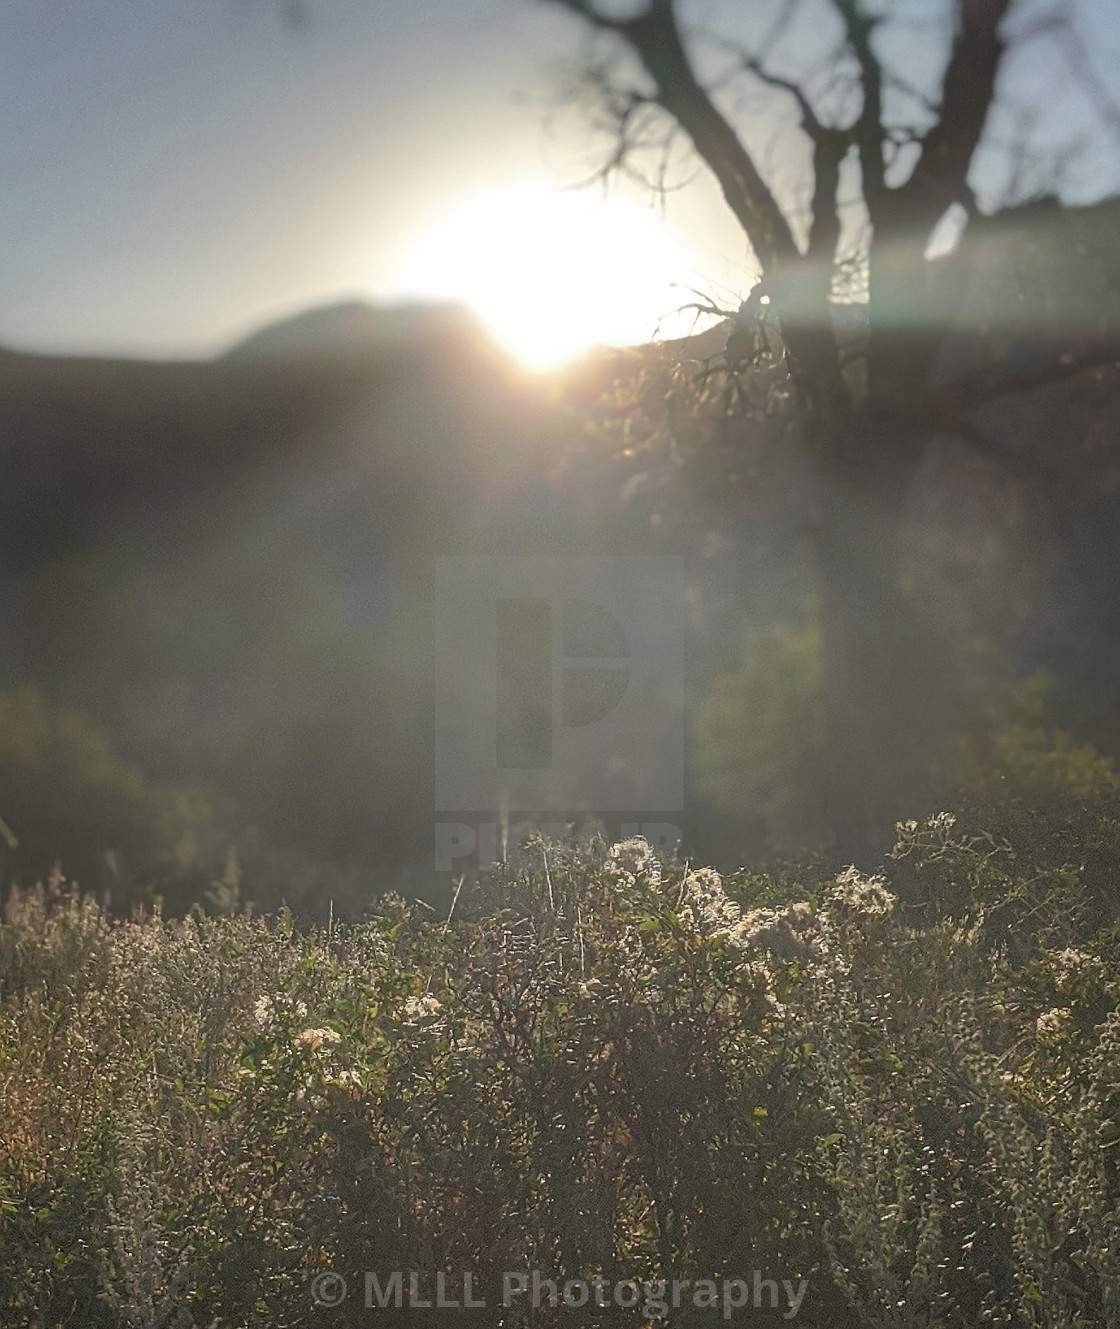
(553, 273)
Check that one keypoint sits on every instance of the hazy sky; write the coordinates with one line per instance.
(177, 171)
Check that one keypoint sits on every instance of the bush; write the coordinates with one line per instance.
(599, 1064)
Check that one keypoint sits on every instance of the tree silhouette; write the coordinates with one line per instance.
(904, 112)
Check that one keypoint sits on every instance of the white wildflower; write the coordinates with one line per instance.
(1052, 1023)
(1072, 963)
(863, 895)
(781, 932)
(422, 1008)
(314, 1039)
(264, 1011)
(754, 926)
(706, 904)
(632, 859)
(942, 822)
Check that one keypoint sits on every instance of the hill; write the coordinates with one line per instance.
(224, 565)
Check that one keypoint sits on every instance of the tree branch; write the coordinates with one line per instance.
(869, 127)
(810, 121)
(941, 174)
(800, 285)
(830, 145)
(656, 39)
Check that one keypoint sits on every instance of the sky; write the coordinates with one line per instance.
(180, 172)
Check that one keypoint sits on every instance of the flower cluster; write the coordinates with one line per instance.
(1052, 1023)
(1071, 964)
(633, 860)
(787, 934)
(425, 1007)
(783, 933)
(706, 905)
(267, 1010)
(858, 894)
(314, 1039)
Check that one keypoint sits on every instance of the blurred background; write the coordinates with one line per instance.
(297, 299)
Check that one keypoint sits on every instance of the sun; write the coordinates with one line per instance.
(553, 272)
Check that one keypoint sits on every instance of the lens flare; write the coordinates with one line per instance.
(553, 273)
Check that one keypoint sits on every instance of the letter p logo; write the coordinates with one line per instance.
(559, 684)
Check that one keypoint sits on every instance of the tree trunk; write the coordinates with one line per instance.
(886, 664)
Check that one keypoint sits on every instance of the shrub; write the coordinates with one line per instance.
(600, 1063)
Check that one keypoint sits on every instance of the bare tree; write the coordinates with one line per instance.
(898, 103)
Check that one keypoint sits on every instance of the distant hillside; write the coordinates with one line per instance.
(82, 439)
(227, 564)
(355, 329)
